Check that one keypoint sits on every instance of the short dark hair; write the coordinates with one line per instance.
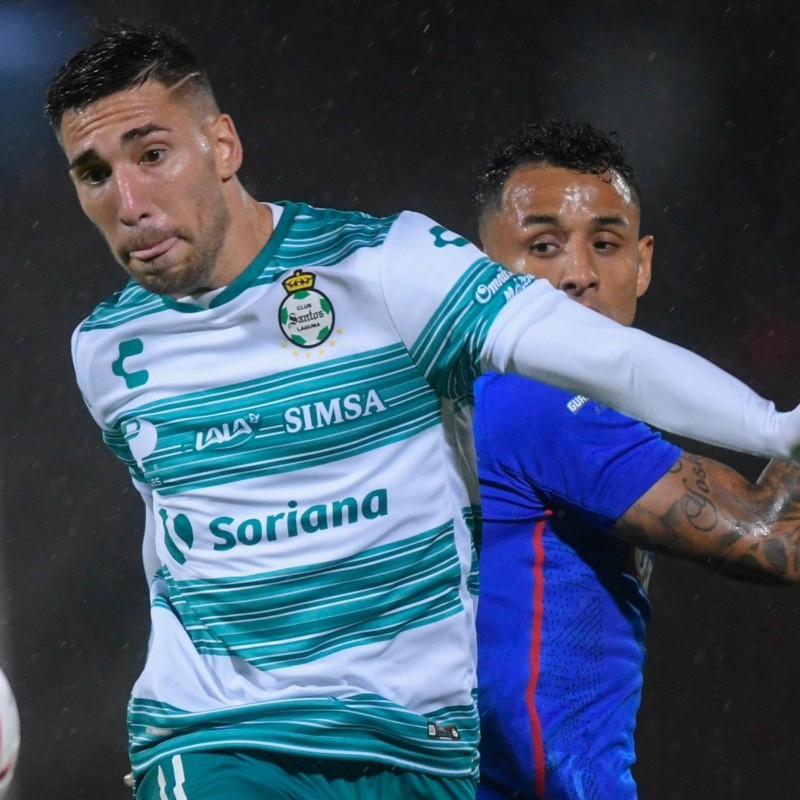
(124, 56)
(556, 143)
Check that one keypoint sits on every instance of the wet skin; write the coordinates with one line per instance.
(577, 230)
(155, 171)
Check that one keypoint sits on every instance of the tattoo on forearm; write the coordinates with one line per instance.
(696, 504)
(729, 538)
(776, 555)
(746, 530)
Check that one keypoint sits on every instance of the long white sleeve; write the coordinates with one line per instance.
(543, 334)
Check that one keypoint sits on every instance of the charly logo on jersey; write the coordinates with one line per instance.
(443, 237)
(306, 315)
(228, 434)
(135, 377)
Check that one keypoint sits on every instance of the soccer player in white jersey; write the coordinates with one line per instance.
(289, 388)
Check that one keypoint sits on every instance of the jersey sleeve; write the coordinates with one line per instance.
(83, 376)
(442, 294)
(572, 452)
(460, 314)
(543, 334)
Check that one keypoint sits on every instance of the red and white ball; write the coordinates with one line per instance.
(9, 734)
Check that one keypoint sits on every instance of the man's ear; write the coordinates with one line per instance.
(227, 146)
(645, 264)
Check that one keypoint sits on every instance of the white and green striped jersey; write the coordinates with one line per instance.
(296, 441)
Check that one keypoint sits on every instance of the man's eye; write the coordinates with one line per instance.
(543, 248)
(605, 247)
(152, 155)
(94, 175)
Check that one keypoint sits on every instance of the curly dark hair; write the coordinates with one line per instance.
(556, 143)
(124, 56)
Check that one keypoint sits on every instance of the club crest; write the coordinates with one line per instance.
(306, 315)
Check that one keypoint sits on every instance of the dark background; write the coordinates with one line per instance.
(382, 106)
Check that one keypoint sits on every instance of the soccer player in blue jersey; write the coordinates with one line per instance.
(575, 496)
(288, 387)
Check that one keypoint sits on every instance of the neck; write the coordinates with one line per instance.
(250, 229)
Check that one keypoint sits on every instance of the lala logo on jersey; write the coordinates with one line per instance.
(306, 315)
(228, 434)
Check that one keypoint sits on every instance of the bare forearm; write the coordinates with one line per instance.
(708, 513)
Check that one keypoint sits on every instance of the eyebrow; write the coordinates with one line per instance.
(129, 136)
(611, 219)
(550, 219)
(141, 132)
(85, 157)
(539, 219)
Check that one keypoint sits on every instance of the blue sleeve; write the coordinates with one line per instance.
(547, 446)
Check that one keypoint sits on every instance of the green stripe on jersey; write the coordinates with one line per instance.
(322, 237)
(449, 348)
(305, 237)
(364, 727)
(295, 616)
(292, 420)
(130, 303)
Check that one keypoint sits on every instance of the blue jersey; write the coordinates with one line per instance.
(563, 609)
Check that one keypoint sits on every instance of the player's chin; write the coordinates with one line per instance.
(176, 280)
(157, 283)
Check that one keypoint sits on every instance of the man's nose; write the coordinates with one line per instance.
(133, 199)
(579, 273)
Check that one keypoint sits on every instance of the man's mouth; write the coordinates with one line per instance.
(153, 251)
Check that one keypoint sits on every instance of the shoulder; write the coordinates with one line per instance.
(123, 306)
(579, 453)
(517, 419)
(521, 411)
(416, 226)
(510, 399)
(330, 234)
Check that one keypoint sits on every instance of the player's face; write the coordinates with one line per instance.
(149, 172)
(578, 231)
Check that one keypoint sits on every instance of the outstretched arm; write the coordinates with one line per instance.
(452, 307)
(706, 512)
(543, 334)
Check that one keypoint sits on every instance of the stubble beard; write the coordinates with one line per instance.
(198, 273)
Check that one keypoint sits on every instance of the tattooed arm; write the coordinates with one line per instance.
(706, 512)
